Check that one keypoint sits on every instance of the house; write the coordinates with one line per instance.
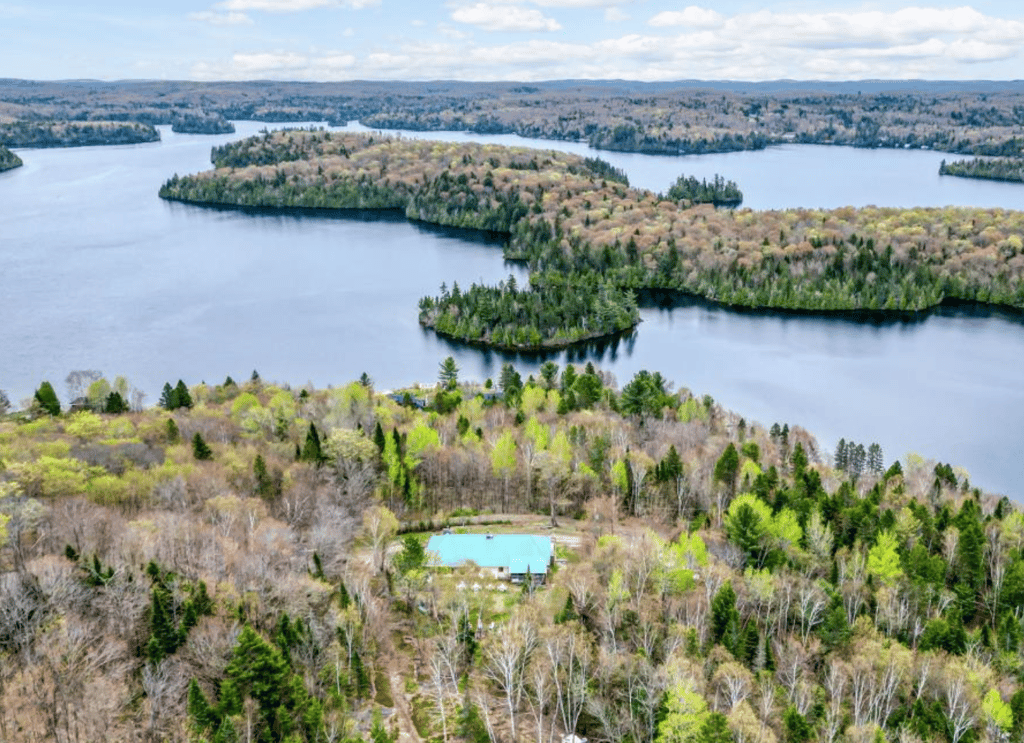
(507, 556)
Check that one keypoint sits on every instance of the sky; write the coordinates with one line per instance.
(528, 40)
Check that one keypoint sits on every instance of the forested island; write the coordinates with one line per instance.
(8, 159)
(684, 117)
(993, 169)
(719, 191)
(246, 561)
(573, 220)
(74, 133)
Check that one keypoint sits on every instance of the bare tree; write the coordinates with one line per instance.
(506, 654)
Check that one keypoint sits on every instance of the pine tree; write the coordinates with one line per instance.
(184, 397)
(378, 437)
(115, 404)
(448, 373)
(200, 450)
(47, 399)
(725, 618)
(171, 432)
(264, 483)
(259, 669)
(842, 456)
(876, 462)
(311, 450)
(202, 714)
(169, 398)
(727, 467)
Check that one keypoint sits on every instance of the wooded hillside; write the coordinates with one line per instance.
(228, 566)
(980, 118)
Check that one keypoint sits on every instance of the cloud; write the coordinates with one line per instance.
(291, 6)
(221, 19)
(577, 3)
(504, 18)
(615, 15)
(692, 17)
(935, 43)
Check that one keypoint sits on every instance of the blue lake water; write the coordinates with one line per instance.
(98, 272)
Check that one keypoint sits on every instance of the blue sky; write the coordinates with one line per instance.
(511, 40)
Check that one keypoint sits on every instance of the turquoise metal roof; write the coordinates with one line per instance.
(514, 552)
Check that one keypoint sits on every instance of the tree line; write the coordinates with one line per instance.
(993, 169)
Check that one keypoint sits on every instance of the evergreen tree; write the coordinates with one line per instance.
(264, 483)
(47, 399)
(842, 456)
(725, 618)
(448, 374)
(169, 398)
(311, 450)
(115, 404)
(183, 396)
(259, 670)
(510, 382)
(378, 437)
(200, 449)
(727, 467)
(715, 729)
(798, 730)
(171, 432)
(202, 714)
(876, 463)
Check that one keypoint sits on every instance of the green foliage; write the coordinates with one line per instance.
(884, 559)
(725, 619)
(413, 555)
(728, 466)
(312, 450)
(171, 432)
(684, 717)
(719, 191)
(200, 449)
(448, 373)
(47, 400)
(996, 169)
(175, 608)
(645, 395)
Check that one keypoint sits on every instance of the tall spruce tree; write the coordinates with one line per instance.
(200, 449)
(47, 399)
(184, 397)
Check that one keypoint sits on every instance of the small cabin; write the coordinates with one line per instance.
(512, 557)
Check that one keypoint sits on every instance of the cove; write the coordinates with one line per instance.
(98, 272)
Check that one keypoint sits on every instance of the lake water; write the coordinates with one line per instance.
(98, 272)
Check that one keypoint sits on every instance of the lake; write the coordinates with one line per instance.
(99, 273)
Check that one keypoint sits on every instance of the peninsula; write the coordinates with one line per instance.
(578, 225)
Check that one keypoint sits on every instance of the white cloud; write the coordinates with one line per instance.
(221, 19)
(934, 43)
(256, 64)
(504, 18)
(691, 16)
(577, 3)
(615, 15)
(291, 6)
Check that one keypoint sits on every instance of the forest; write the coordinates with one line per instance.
(686, 117)
(245, 561)
(575, 220)
(74, 133)
(8, 159)
(993, 169)
(719, 192)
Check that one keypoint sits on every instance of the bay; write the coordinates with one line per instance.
(98, 272)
